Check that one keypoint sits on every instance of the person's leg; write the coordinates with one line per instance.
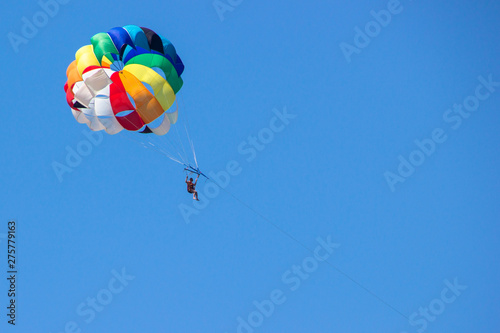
(196, 195)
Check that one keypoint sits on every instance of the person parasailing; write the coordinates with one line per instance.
(191, 186)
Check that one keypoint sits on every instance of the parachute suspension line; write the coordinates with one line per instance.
(163, 152)
(167, 147)
(188, 127)
(172, 147)
(381, 300)
(155, 148)
(181, 145)
(166, 153)
(178, 144)
(192, 146)
(152, 142)
(176, 150)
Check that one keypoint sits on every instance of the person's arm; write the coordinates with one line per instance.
(186, 179)
(196, 180)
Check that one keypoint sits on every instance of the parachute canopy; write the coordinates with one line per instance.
(127, 78)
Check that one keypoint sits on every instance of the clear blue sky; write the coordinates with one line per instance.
(328, 173)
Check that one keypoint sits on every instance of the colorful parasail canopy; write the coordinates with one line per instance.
(127, 78)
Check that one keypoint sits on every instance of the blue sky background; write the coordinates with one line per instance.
(323, 175)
